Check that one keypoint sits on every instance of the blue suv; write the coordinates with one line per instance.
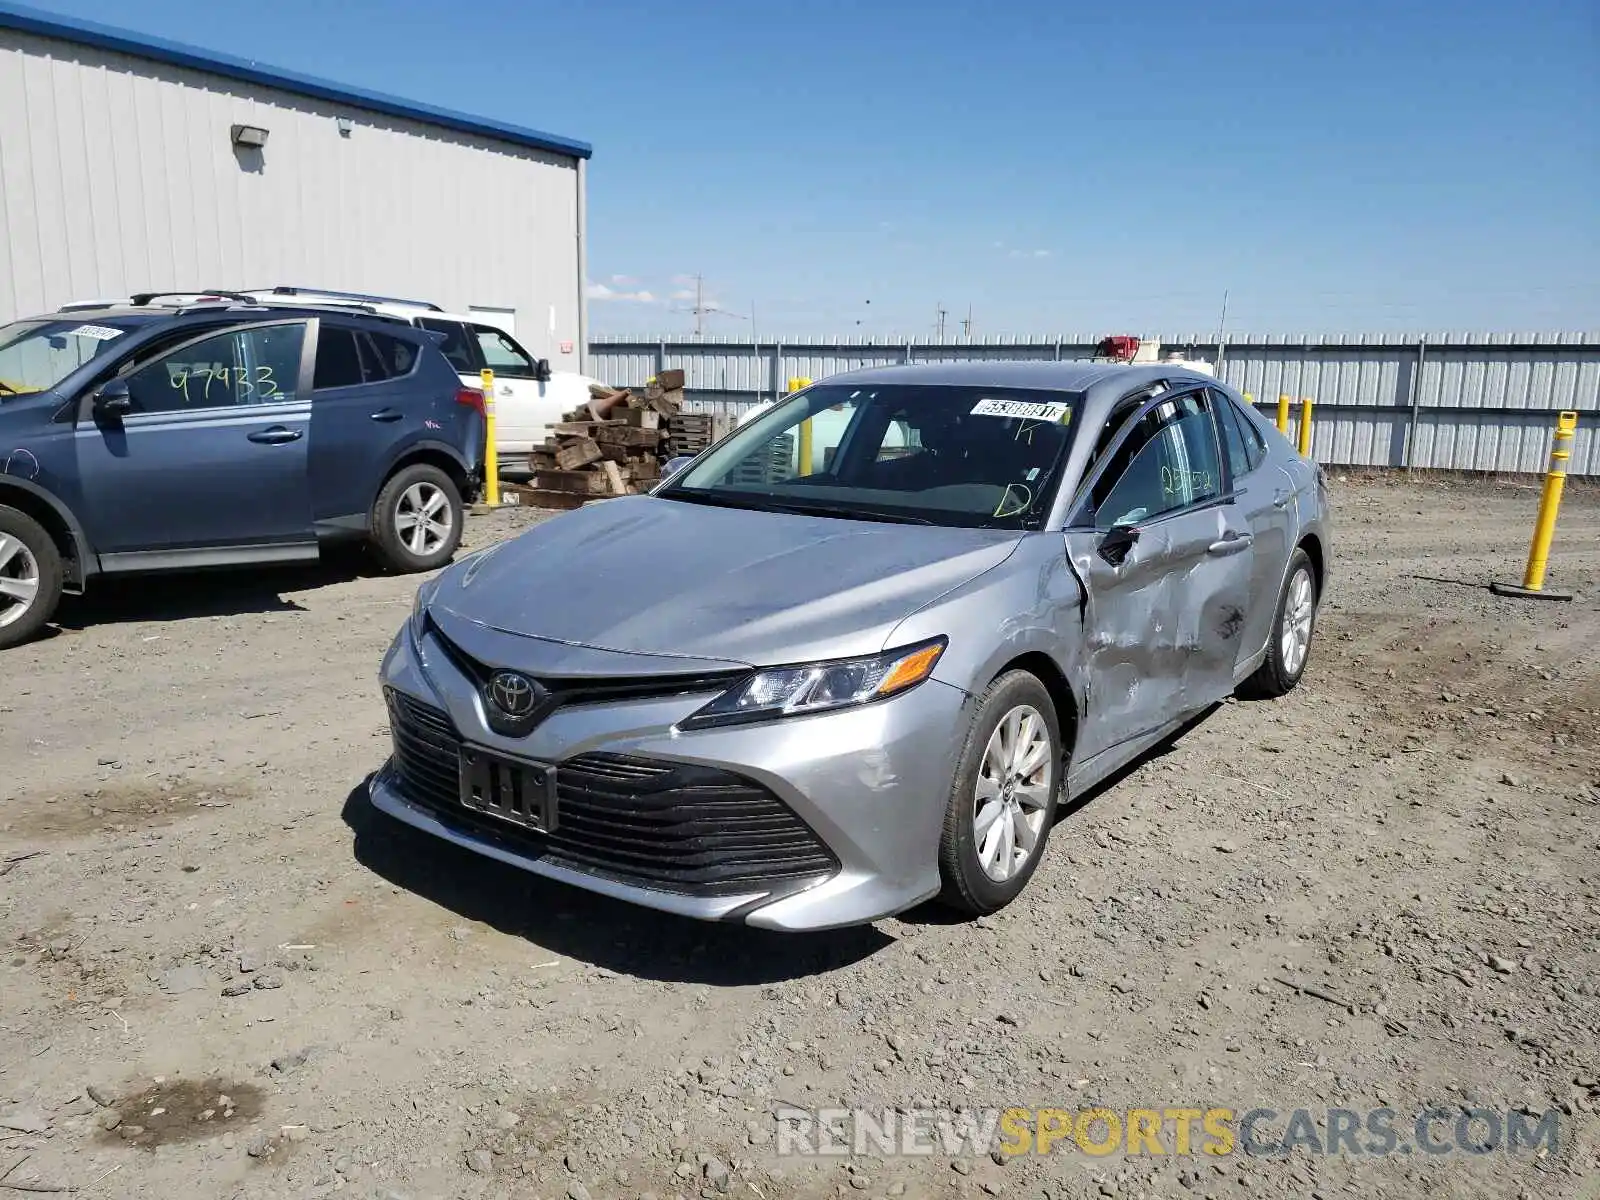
(210, 432)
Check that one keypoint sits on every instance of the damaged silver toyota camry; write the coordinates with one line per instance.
(854, 656)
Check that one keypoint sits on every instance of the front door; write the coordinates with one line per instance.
(1163, 554)
(524, 407)
(209, 465)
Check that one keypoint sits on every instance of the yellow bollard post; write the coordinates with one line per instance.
(1544, 527)
(1283, 415)
(1305, 426)
(491, 454)
(803, 458)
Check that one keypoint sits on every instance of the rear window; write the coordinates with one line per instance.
(457, 345)
(350, 357)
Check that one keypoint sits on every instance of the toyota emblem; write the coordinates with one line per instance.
(514, 694)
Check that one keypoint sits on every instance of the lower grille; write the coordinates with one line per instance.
(670, 826)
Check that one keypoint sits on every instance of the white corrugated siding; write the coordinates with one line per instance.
(117, 175)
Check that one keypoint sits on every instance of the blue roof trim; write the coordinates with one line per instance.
(52, 25)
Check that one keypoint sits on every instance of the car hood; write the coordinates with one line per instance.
(642, 575)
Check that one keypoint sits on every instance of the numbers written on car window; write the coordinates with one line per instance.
(200, 379)
(242, 367)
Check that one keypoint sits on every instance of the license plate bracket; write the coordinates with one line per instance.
(518, 793)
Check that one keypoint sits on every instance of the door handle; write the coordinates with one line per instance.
(505, 389)
(387, 414)
(1231, 543)
(276, 436)
(1280, 498)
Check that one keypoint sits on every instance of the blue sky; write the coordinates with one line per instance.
(847, 165)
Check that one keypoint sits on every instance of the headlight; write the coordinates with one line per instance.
(419, 606)
(820, 687)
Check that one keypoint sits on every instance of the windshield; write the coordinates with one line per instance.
(968, 456)
(37, 355)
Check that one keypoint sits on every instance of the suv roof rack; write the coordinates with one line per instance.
(143, 299)
(291, 290)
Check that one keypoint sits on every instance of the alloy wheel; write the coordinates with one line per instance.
(1013, 792)
(1298, 612)
(423, 519)
(19, 579)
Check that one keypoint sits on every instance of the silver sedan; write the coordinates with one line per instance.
(855, 655)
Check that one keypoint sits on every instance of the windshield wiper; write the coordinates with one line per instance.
(772, 504)
(845, 511)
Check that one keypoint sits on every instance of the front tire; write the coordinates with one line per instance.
(1003, 801)
(30, 577)
(1289, 649)
(416, 521)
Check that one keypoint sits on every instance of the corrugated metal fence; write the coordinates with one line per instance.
(1476, 402)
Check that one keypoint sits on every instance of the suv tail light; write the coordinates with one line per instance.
(471, 397)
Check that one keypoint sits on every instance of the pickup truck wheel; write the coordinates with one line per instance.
(416, 522)
(30, 576)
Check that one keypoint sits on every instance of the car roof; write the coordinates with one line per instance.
(235, 313)
(1081, 375)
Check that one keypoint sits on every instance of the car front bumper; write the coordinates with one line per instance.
(871, 784)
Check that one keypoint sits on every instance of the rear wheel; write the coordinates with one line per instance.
(416, 522)
(1003, 801)
(1290, 647)
(30, 576)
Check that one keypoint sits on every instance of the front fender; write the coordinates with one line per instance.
(88, 563)
(1031, 604)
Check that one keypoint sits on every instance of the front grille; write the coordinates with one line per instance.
(593, 690)
(671, 826)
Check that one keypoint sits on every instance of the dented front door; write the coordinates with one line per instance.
(1162, 626)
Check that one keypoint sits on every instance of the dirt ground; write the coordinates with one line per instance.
(221, 974)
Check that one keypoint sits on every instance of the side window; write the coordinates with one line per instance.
(247, 366)
(1228, 417)
(338, 360)
(1255, 446)
(502, 355)
(1168, 462)
(386, 357)
(455, 346)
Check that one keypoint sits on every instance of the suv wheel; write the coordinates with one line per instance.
(416, 523)
(1003, 802)
(30, 576)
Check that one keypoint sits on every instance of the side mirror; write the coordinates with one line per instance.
(675, 465)
(113, 401)
(541, 370)
(1117, 542)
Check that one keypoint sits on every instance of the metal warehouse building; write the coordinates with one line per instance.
(130, 164)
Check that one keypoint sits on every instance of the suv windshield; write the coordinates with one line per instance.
(934, 455)
(36, 355)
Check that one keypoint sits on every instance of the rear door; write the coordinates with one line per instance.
(209, 466)
(363, 408)
(1264, 495)
(1163, 553)
(524, 407)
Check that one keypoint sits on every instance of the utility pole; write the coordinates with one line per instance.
(966, 326)
(939, 315)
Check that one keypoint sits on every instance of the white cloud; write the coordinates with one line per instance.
(625, 281)
(599, 291)
(1041, 254)
(683, 294)
(1029, 254)
(683, 280)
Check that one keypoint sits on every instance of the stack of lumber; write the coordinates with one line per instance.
(612, 446)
